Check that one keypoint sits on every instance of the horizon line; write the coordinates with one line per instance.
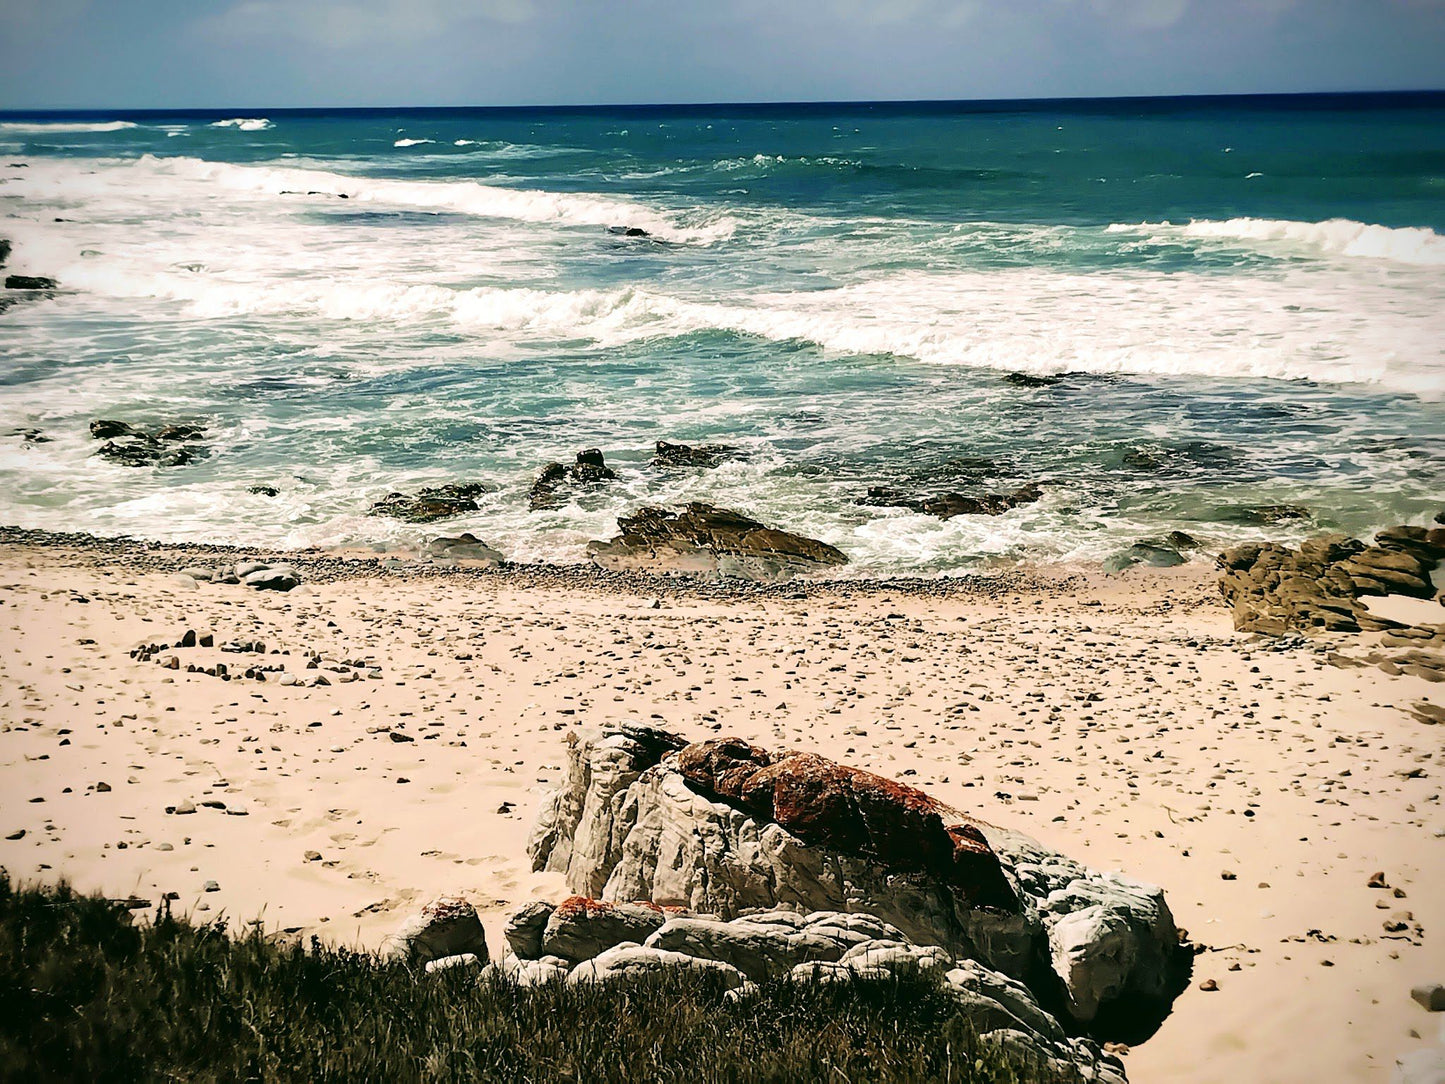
(994, 103)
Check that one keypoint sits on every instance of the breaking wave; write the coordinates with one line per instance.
(1416, 245)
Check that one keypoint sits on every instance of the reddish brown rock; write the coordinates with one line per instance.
(828, 804)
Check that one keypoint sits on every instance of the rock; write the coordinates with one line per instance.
(763, 950)
(628, 231)
(468, 961)
(431, 503)
(445, 927)
(626, 962)
(464, 547)
(684, 455)
(949, 505)
(149, 452)
(243, 569)
(264, 491)
(589, 470)
(195, 572)
(723, 827)
(1030, 380)
(529, 972)
(525, 927)
(1145, 553)
(272, 578)
(1430, 995)
(4, 251)
(1267, 514)
(581, 928)
(180, 432)
(29, 282)
(703, 539)
(107, 429)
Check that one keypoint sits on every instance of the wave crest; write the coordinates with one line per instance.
(1415, 245)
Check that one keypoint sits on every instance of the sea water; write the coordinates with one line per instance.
(1243, 300)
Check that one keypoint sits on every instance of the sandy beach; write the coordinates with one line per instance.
(1120, 719)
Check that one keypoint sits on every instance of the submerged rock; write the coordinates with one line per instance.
(169, 446)
(264, 491)
(431, 503)
(724, 827)
(948, 505)
(686, 455)
(589, 469)
(1031, 380)
(704, 539)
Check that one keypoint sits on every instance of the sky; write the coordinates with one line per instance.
(135, 54)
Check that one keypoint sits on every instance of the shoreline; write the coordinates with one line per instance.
(1119, 719)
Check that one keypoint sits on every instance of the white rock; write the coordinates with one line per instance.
(445, 927)
(634, 961)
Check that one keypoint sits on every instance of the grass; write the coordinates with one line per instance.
(85, 994)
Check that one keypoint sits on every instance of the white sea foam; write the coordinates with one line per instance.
(59, 126)
(245, 124)
(465, 197)
(1418, 246)
(412, 142)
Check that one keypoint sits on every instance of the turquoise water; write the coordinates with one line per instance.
(1243, 300)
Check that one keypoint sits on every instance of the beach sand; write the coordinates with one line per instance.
(1120, 720)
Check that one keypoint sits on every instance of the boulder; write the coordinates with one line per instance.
(445, 927)
(29, 282)
(587, 471)
(725, 827)
(760, 950)
(521, 972)
(685, 455)
(706, 540)
(272, 578)
(948, 505)
(107, 428)
(580, 928)
(630, 962)
(464, 547)
(524, 928)
(431, 503)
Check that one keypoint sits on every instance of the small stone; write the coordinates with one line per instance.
(312, 856)
(1227, 875)
(211, 886)
(1430, 995)
(1209, 985)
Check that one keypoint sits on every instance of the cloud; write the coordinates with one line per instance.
(342, 24)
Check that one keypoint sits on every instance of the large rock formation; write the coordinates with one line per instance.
(725, 827)
(702, 539)
(1273, 589)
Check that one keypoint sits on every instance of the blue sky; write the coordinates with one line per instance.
(219, 53)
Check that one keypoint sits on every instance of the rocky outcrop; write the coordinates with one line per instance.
(432, 503)
(826, 946)
(685, 455)
(169, 446)
(705, 540)
(948, 505)
(445, 927)
(589, 470)
(29, 282)
(724, 827)
(1273, 589)
(464, 547)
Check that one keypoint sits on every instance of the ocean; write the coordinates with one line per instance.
(1242, 300)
